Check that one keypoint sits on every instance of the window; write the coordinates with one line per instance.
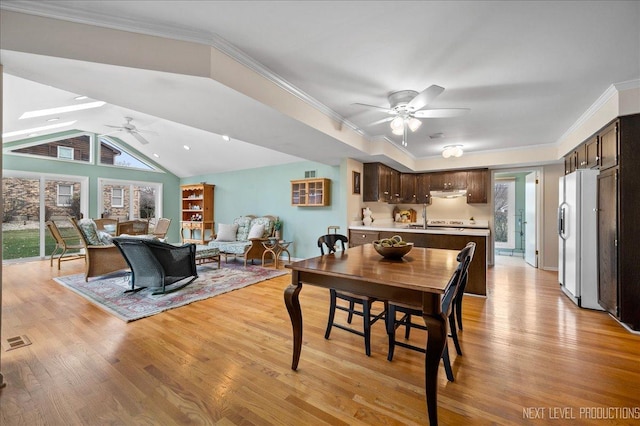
(112, 154)
(117, 197)
(65, 152)
(129, 199)
(505, 214)
(74, 147)
(65, 194)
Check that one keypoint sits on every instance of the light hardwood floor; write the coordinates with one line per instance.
(528, 352)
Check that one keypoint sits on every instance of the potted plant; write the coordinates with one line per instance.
(277, 226)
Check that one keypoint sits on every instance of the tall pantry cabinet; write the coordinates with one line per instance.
(619, 219)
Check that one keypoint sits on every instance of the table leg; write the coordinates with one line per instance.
(295, 313)
(436, 339)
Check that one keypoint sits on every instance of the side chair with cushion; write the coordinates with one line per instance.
(329, 241)
(64, 244)
(448, 301)
(102, 256)
(155, 264)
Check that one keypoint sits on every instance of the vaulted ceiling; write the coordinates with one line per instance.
(281, 78)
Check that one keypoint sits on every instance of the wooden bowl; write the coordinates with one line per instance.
(393, 252)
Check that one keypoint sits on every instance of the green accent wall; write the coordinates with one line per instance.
(267, 191)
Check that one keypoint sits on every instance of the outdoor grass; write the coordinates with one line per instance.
(24, 243)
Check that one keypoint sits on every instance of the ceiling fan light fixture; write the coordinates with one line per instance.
(452, 151)
(414, 124)
(397, 124)
(398, 132)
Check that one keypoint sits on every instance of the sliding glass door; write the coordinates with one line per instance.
(30, 201)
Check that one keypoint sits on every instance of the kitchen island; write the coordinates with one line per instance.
(434, 237)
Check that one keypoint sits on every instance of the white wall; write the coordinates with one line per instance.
(549, 243)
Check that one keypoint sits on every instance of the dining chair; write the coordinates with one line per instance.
(64, 244)
(133, 227)
(457, 303)
(109, 225)
(329, 241)
(447, 305)
(161, 227)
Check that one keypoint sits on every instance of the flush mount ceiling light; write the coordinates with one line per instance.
(187, 147)
(226, 138)
(452, 151)
(60, 110)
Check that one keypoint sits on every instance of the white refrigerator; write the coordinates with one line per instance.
(578, 237)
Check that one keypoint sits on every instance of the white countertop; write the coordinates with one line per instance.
(404, 227)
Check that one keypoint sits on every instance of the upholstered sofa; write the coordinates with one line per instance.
(244, 237)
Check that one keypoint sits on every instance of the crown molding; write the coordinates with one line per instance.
(48, 10)
(599, 103)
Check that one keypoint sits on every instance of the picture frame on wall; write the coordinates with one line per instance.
(356, 182)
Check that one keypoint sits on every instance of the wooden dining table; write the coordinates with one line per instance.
(420, 278)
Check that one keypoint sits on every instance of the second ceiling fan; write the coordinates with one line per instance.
(408, 107)
(131, 129)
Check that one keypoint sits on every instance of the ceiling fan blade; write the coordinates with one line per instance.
(387, 110)
(138, 136)
(384, 120)
(440, 112)
(425, 97)
(114, 127)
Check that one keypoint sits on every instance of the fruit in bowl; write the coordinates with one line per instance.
(392, 248)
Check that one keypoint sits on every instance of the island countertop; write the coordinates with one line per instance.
(404, 227)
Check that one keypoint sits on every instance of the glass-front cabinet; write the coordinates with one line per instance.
(310, 192)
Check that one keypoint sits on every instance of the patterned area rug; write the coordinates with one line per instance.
(108, 292)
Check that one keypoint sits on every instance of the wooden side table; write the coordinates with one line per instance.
(275, 249)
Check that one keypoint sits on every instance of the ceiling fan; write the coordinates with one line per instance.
(408, 107)
(131, 129)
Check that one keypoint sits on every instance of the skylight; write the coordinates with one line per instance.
(60, 110)
(37, 129)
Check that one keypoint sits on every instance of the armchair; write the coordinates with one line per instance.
(156, 264)
(101, 256)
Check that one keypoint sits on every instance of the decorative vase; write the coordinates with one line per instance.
(278, 235)
(367, 219)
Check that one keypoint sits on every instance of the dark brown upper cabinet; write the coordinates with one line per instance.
(443, 181)
(609, 142)
(380, 183)
(477, 185)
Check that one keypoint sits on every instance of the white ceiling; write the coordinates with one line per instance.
(527, 71)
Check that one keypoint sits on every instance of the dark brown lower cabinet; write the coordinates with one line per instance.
(477, 283)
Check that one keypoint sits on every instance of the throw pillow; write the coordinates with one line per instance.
(256, 231)
(90, 231)
(105, 237)
(227, 232)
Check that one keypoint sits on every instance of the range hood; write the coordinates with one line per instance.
(448, 193)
